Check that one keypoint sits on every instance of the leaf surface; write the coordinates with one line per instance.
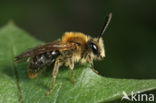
(16, 87)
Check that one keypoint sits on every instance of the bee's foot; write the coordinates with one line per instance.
(95, 71)
(74, 81)
(47, 93)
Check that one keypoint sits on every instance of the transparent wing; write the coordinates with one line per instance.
(53, 46)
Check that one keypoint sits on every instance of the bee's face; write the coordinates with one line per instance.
(96, 47)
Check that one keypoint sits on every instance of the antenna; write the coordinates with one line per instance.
(107, 21)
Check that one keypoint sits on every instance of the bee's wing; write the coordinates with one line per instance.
(53, 46)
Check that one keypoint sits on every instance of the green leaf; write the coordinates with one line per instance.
(16, 87)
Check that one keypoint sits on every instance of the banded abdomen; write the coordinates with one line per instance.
(37, 63)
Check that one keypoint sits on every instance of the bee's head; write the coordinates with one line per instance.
(96, 45)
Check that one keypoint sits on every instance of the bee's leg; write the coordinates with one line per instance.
(71, 66)
(58, 63)
(92, 67)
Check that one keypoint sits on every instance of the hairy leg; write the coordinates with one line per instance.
(58, 63)
(92, 65)
(94, 69)
(71, 66)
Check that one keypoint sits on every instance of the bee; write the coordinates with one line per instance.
(72, 48)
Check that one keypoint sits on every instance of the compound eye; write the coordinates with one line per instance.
(94, 48)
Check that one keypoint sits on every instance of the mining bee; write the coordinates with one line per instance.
(72, 48)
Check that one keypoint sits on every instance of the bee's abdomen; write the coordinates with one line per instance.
(37, 63)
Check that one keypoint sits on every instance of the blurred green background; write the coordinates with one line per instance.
(130, 40)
